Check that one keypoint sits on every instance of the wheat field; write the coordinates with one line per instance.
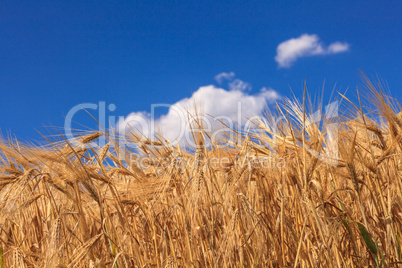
(73, 204)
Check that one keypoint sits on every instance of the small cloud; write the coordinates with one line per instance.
(305, 45)
(238, 84)
(338, 47)
(224, 76)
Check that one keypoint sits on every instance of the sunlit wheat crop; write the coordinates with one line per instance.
(74, 204)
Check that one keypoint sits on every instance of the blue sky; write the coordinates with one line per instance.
(55, 55)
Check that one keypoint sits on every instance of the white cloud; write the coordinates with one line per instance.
(230, 106)
(238, 84)
(224, 76)
(235, 84)
(338, 47)
(305, 45)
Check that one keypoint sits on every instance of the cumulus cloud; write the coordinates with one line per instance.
(228, 106)
(305, 45)
(224, 76)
